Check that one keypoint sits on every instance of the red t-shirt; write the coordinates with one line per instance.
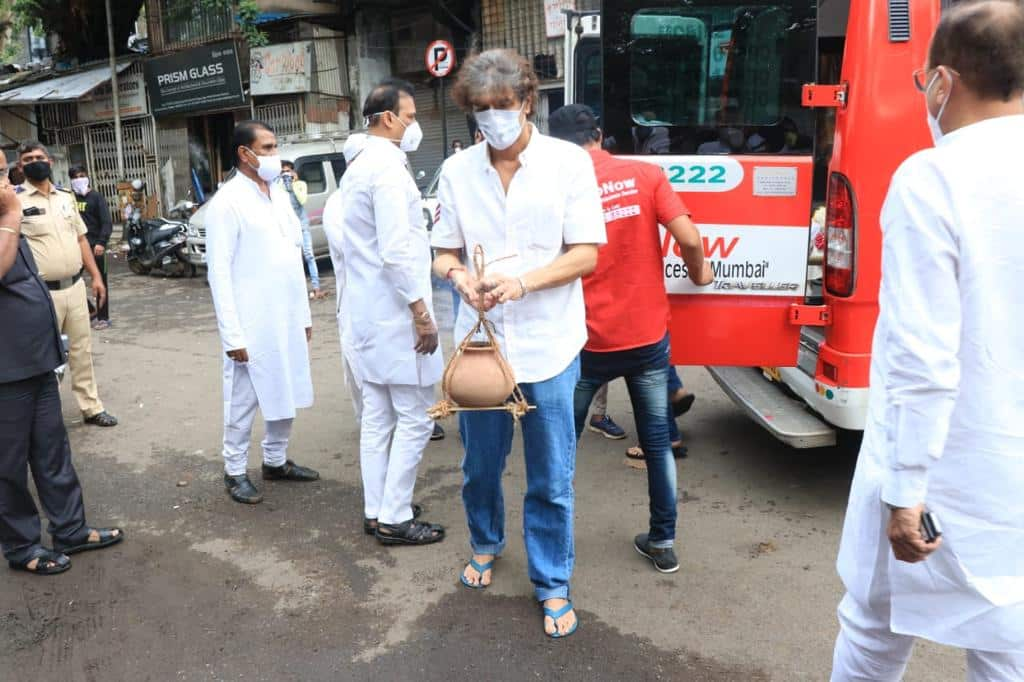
(627, 306)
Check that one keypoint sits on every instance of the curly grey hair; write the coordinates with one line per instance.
(495, 72)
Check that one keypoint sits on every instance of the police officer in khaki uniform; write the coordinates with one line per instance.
(56, 234)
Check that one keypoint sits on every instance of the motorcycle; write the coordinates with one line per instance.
(159, 244)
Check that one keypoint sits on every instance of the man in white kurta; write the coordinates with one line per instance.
(254, 259)
(389, 337)
(946, 422)
(332, 221)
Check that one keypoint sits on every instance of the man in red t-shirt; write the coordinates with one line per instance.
(628, 311)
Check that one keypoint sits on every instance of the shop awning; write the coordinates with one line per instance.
(60, 89)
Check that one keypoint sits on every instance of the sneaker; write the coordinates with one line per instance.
(663, 558)
(100, 325)
(438, 433)
(607, 428)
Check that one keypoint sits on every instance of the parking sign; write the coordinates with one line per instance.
(440, 58)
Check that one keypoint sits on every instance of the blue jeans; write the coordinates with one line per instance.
(549, 447)
(307, 253)
(647, 381)
(674, 384)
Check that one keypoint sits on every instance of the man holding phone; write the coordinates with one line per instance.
(945, 438)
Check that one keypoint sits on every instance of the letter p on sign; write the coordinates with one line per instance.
(440, 58)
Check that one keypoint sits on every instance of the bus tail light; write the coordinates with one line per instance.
(840, 237)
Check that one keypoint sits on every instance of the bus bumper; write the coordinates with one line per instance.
(768, 405)
(846, 408)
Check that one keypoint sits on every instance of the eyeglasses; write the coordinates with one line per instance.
(921, 81)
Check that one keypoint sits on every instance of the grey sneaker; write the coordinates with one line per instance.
(663, 558)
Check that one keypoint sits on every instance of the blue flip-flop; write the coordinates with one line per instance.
(555, 615)
(479, 568)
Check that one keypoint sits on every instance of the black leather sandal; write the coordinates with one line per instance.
(370, 525)
(108, 537)
(412, 532)
(49, 562)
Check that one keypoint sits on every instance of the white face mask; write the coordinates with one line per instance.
(269, 168)
(80, 185)
(933, 121)
(500, 127)
(412, 136)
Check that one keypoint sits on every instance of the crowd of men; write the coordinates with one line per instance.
(575, 299)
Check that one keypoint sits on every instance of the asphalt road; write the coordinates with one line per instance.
(205, 589)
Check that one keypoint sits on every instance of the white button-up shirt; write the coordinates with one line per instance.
(375, 226)
(552, 202)
(945, 423)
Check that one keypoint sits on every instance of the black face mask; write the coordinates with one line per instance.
(37, 171)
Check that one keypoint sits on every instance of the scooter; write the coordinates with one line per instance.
(159, 244)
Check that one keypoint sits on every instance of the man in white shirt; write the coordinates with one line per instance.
(945, 431)
(254, 260)
(532, 203)
(332, 221)
(390, 339)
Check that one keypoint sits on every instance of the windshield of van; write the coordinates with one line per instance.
(730, 72)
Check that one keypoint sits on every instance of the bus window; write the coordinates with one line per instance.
(588, 70)
(715, 77)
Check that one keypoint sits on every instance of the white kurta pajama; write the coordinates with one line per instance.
(386, 254)
(946, 420)
(254, 261)
(332, 221)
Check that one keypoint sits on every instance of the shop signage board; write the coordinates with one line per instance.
(198, 79)
(99, 104)
(281, 69)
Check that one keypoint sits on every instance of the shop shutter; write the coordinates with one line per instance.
(430, 155)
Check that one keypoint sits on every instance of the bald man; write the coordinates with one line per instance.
(944, 432)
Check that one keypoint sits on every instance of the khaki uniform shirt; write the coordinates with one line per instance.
(53, 233)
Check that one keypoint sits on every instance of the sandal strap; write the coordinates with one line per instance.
(410, 530)
(556, 614)
(43, 556)
(480, 568)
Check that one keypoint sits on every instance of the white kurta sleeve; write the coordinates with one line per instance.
(920, 319)
(446, 233)
(391, 217)
(584, 216)
(222, 230)
(332, 221)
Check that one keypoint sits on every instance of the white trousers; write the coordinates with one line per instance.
(355, 388)
(239, 415)
(868, 651)
(395, 431)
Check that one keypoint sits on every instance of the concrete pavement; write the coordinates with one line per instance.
(205, 589)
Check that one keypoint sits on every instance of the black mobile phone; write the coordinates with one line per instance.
(930, 528)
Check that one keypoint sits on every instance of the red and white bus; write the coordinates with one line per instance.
(760, 111)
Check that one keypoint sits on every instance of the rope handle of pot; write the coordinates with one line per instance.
(517, 406)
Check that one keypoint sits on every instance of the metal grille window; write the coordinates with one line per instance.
(520, 25)
(57, 123)
(284, 117)
(139, 159)
(186, 23)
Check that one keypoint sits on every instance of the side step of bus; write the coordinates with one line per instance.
(787, 419)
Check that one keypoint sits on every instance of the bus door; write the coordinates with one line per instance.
(711, 92)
